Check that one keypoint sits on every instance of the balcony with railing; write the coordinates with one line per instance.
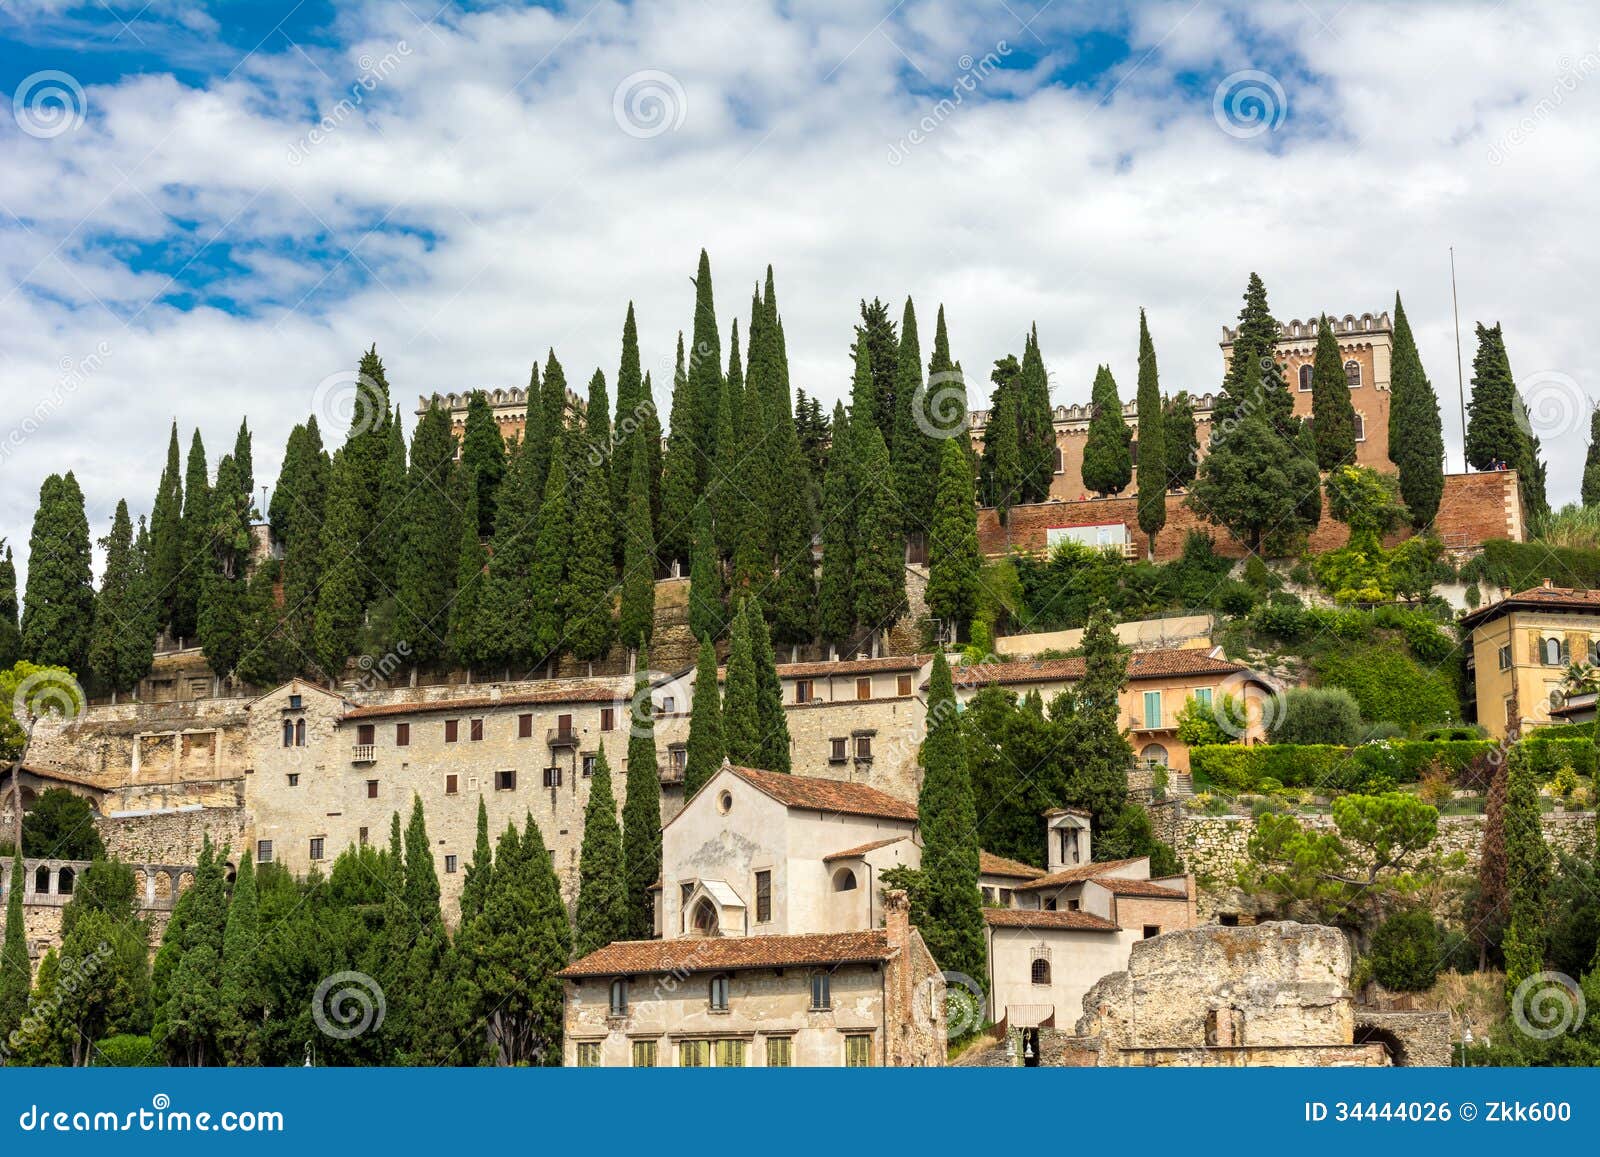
(363, 753)
(561, 737)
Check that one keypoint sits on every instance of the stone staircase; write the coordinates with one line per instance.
(1180, 785)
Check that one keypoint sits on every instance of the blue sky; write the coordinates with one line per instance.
(208, 210)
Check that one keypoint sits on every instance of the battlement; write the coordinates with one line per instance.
(1347, 326)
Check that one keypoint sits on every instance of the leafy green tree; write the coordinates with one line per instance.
(194, 535)
(1590, 495)
(1333, 416)
(1528, 870)
(191, 1016)
(641, 809)
(10, 632)
(955, 562)
(342, 597)
(1499, 431)
(1036, 434)
(432, 1004)
(1001, 465)
(835, 593)
(1253, 482)
(637, 618)
(479, 876)
(16, 971)
(1182, 440)
(603, 911)
(1089, 716)
(591, 577)
(1154, 472)
(772, 721)
(73, 1014)
(60, 826)
(166, 532)
(58, 607)
(1107, 460)
(1366, 501)
(547, 573)
(483, 458)
(706, 747)
(431, 540)
(953, 924)
(1416, 437)
(1317, 715)
(121, 647)
(243, 1009)
(879, 575)
(1254, 380)
(1405, 952)
(680, 485)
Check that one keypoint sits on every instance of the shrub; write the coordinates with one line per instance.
(1434, 786)
(1565, 781)
(1327, 767)
(1258, 575)
(1406, 951)
(127, 1052)
(1318, 715)
(1389, 685)
(1199, 724)
(1548, 756)
(1235, 598)
(1280, 620)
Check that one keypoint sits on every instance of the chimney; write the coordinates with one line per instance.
(1549, 584)
(897, 917)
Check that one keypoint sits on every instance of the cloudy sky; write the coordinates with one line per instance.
(208, 210)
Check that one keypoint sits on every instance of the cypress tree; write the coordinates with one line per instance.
(547, 572)
(16, 972)
(470, 634)
(194, 534)
(1528, 863)
(1002, 452)
(390, 509)
(1107, 459)
(913, 453)
(1489, 915)
(1152, 442)
(641, 808)
(680, 484)
(948, 408)
(431, 540)
(299, 503)
(1254, 380)
(733, 513)
(516, 528)
(58, 605)
(772, 723)
(1036, 434)
(863, 385)
(953, 920)
(341, 599)
(483, 458)
(1182, 438)
(879, 572)
(166, 533)
(190, 1017)
(637, 617)
(244, 460)
(220, 628)
(478, 880)
(706, 747)
(649, 444)
(882, 345)
(1498, 427)
(836, 611)
(121, 647)
(1590, 492)
(602, 914)
(1416, 437)
(1333, 417)
(707, 610)
(10, 632)
(955, 561)
(242, 1006)
(741, 713)
(814, 432)
(269, 656)
(705, 373)
(597, 426)
(553, 399)
(536, 436)
(591, 577)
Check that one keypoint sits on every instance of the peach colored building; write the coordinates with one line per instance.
(1518, 654)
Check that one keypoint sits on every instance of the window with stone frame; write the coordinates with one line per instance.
(717, 994)
(619, 997)
(644, 1054)
(451, 730)
(780, 1052)
(588, 1054)
(763, 897)
(838, 749)
(858, 1051)
(821, 991)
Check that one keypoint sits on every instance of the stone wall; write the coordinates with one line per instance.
(174, 837)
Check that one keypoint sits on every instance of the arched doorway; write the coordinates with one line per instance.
(703, 920)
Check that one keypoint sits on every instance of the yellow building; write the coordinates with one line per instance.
(1519, 650)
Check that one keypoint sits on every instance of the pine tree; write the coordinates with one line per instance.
(58, 605)
(1036, 434)
(1333, 417)
(836, 612)
(705, 373)
(707, 610)
(1590, 492)
(772, 722)
(591, 577)
(815, 433)
(953, 919)
(341, 598)
(10, 632)
(603, 911)
(706, 748)
(912, 452)
(1153, 471)
(431, 541)
(741, 713)
(680, 479)
(121, 648)
(478, 880)
(1253, 482)
(242, 1006)
(166, 533)
(636, 620)
(1182, 439)
(1498, 428)
(1092, 726)
(547, 573)
(879, 574)
(470, 632)
(16, 972)
(194, 536)
(1002, 452)
(1528, 863)
(955, 561)
(1107, 459)
(641, 808)
(1254, 381)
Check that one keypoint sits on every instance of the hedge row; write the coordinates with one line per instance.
(1324, 767)
(1551, 753)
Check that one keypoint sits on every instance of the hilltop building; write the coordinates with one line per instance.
(1518, 653)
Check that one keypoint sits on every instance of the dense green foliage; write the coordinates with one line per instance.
(1332, 414)
(1499, 431)
(1416, 437)
(1317, 715)
(1107, 462)
(1155, 457)
(1405, 951)
(1335, 768)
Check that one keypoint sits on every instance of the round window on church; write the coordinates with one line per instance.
(725, 802)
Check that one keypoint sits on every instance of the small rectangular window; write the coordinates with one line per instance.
(864, 687)
(361, 835)
(1152, 709)
(619, 997)
(802, 690)
(475, 730)
(505, 780)
(902, 685)
(263, 851)
(730, 1054)
(1505, 658)
(858, 1051)
(294, 779)
(449, 865)
(863, 747)
(838, 750)
(1151, 931)
(669, 704)
(694, 1054)
(524, 726)
(402, 735)
(1202, 696)
(588, 766)
(644, 1054)
(452, 784)
(719, 994)
(678, 758)
(366, 733)
(763, 897)
(780, 1052)
(608, 719)
(552, 777)
(372, 789)
(450, 726)
(821, 992)
(296, 703)
(588, 1054)
(316, 847)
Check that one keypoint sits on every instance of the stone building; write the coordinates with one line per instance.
(1160, 682)
(1518, 652)
(509, 405)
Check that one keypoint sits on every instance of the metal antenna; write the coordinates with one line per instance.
(1461, 388)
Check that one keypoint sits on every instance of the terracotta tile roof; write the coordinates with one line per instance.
(1536, 598)
(485, 703)
(1038, 918)
(1080, 873)
(51, 773)
(820, 669)
(716, 954)
(990, 864)
(1156, 664)
(1119, 886)
(863, 849)
(826, 795)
